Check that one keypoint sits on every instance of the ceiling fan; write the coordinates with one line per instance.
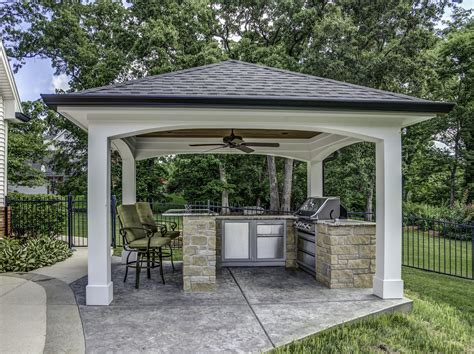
(237, 142)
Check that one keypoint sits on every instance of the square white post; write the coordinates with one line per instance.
(387, 281)
(99, 290)
(315, 178)
(129, 184)
(129, 192)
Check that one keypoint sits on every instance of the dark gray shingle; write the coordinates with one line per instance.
(234, 78)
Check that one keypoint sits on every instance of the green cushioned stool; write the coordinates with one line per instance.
(141, 240)
(148, 220)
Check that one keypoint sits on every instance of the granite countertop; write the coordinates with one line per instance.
(256, 217)
(346, 222)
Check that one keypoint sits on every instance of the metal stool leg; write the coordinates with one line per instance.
(161, 265)
(148, 270)
(126, 267)
(137, 277)
(171, 253)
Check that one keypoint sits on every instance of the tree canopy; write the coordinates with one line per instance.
(397, 45)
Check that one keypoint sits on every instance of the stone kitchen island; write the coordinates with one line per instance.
(344, 253)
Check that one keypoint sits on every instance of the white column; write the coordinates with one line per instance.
(129, 184)
(387, 281)
(99, 289)
(315, 178)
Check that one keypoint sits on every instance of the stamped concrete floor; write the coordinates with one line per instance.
(253, 310)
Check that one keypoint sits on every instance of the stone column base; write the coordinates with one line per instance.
(199, 253)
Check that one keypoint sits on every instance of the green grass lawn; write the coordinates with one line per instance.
(424, 250)
(442, 320)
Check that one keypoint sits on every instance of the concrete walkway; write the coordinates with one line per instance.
(38, 310)
(22, 311)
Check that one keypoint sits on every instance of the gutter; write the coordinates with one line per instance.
(422, 106)
(22, 117)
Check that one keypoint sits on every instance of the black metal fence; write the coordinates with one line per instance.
(433, 245)
(438, 246)
(63, 217)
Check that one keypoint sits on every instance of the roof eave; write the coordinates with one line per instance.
(55, 100)
(10, 78)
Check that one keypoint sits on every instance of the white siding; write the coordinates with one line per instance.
(3, 154)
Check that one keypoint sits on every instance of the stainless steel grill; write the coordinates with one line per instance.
(312, 210)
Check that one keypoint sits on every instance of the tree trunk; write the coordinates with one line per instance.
(225, 192)
(150, 185)
(272, 177)
(369, 216)
(287, 184)
(452, 177)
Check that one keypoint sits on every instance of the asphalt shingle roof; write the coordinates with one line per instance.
(234, 81)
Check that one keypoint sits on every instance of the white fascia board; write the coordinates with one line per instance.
(118, 113)
(12, 99)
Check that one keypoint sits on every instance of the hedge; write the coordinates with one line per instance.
(23, 255)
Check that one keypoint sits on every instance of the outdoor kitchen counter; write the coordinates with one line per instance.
(344, 249)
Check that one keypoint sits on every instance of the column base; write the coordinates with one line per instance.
(388, 289)
(99, 294)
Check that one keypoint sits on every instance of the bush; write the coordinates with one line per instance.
(28, 254)
(449, 222)
(37, 215)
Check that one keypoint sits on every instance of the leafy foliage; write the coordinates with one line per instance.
(26, 146)
(392, 45)
(25, 255)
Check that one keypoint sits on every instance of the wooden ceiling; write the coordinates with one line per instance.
(245, 133)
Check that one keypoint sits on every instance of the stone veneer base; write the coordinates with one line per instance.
(199, 253)
(345, 254)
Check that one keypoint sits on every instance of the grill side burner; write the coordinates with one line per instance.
(312, 210)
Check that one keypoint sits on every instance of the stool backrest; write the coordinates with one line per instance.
(130, 222)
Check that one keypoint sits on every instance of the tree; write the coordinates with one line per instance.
(351, 175)
(391, 45)
(27, 147)
(455, 67)
(273, 181)
(287, 185)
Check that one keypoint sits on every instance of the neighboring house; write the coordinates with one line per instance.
(10, 111)
(53, 178)
(48, 187)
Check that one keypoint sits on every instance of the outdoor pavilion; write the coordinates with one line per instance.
(311, 117)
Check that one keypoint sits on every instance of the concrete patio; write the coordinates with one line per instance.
(252, 310)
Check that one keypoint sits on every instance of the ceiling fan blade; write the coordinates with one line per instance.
(262, 144)
(244, 148)
(208, 145)
(217, 148)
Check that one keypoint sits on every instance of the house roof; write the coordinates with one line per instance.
(237, 83)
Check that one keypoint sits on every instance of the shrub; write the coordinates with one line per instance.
(28, 254)
(449, 222)
(37, 215)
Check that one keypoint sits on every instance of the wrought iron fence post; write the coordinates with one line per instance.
(113, 216)
(69, 220)
(472, 250)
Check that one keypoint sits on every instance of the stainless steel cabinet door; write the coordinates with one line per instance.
(270, 247)
(236, 240)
